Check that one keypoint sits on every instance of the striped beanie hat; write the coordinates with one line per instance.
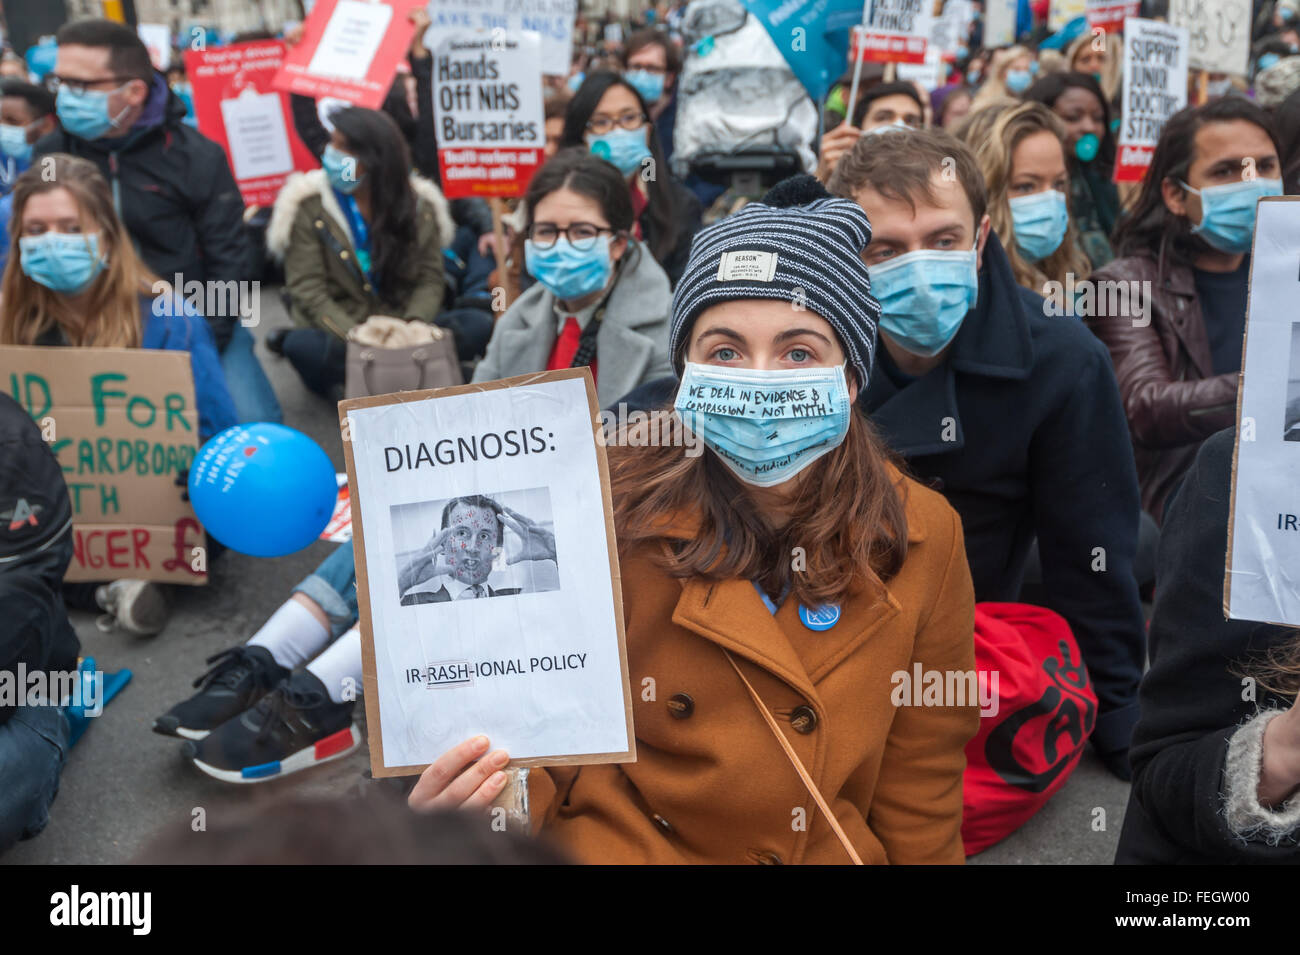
(806, 253)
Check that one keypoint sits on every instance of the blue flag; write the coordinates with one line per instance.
(812, 35)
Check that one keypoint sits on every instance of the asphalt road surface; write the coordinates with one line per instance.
(123, 783)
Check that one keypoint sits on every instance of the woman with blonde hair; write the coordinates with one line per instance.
(73, 278)
(1020, 148)
(1009, 74)
(1102, 58)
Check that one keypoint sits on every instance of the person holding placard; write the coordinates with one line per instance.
(363, 236)
(76, 280)
(1186, 242)
(1078, 102)
(608, 117)
(1021, 153)
(772, 677)
(1009, 74)
(1100, 57)
(879, 105)
(600, 299)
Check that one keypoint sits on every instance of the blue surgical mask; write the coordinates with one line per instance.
(575, 81)
(569, 273)
(924, 296)
(341, 170)
(1265, 61)
(85, 114)
(1018, 80)
(14, 144)
(1228, 212)
(765, 425)
(973, 77)
(625, 148)
(61, 261)
(1039, 222)
(649, 85)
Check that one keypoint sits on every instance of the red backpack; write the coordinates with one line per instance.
(1045, 711)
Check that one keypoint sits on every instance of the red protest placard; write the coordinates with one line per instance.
(1108, 15)
(878, 47)
(349, 50)
(236, 106)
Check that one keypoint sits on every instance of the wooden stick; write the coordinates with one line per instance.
(1202, 87)
(499, 233)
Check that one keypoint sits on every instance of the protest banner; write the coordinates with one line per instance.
(893, 31)
(812, 35)
(999, 23)
(1264, 523)
(552, 20)
(339, 528)
(237, 107)
(950, 31)
(1061, 12)
(487, 573)
(488, 116)
(1109, 15)
(123, 425)
(157, 39)
(350, 50)
(1218, 33)
(1155, 87)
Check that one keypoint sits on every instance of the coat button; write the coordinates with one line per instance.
(680, 706)
(343, 254)
(319, 224)
(663, 824)
(769, 858)
(803, 718)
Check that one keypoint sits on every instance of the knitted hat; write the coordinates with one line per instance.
(798, 245)
(1279, 81)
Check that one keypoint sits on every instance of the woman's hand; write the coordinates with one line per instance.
(293, 35)
(833, 146)
(1279, 770)
(487, 244)
(455, 781)
(420, 17)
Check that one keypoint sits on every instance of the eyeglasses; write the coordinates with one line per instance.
(581, 235)
(55, 83)
(603, 124)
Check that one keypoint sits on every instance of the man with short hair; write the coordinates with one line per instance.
(653, 65)
(1013, 415)
(171, 185)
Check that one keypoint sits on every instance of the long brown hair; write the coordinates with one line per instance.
(847, 518)
(28, 309)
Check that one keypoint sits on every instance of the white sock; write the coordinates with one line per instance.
(292, 635)
(339, 667)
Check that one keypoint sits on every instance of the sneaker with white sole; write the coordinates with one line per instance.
(292, 728)
(236, 679)
(136, 606)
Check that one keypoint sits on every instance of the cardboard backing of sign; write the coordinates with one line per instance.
(123, 424)
(1236, 444)
(369, 678)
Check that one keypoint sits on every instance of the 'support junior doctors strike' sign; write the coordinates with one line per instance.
(487, 106)
(1155, 87)
(487, 573)
(123, 424)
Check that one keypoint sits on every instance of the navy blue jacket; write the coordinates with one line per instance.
(1022, 430)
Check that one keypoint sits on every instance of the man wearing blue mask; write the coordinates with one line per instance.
(653, 64)
(1013, 415)
(26, 115)
(171, 185)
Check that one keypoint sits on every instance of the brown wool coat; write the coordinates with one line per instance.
(712, 785)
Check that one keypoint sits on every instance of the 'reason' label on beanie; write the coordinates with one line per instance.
(743, 266)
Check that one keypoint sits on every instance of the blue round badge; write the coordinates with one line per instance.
(823, 618)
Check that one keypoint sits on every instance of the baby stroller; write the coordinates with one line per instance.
(744, 122)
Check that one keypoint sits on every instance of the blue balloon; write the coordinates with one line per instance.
(263, 489)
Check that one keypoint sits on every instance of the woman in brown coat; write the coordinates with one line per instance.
(783, 591)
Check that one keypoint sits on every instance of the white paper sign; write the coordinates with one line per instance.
(259, 142)
(157, 38)
(1155, 87)
(1219, 33)
(552, 19)
(999, 23)
(351, 39)
(1263, 579)
(1062, 12)
(504, 626)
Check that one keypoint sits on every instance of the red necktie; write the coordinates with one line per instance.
(566, 345)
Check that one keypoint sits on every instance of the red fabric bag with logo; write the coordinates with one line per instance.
(1045, 711)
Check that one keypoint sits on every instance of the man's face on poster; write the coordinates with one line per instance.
(472, 544)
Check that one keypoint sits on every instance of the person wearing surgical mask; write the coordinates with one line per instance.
(599, 299)
(1010, 412)
(879, 106)
(1187, 238)
(1010, 72)
(608, 117)
(1020, 148)
(26, 115)
(653, 65)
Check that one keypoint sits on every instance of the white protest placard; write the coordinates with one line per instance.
(487, 573)
(1155, 87)
(351, 39)
(893, 31)
(488, 112)
(552, 20)
(255, 131)
(1218, 32)
(999, 23)
(951, 27)
(929, 74)
(157, 38)
(1261, 582)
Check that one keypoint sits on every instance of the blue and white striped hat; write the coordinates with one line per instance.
(809, 254)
